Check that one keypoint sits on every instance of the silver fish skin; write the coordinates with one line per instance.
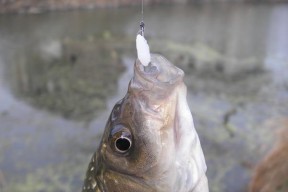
(150, 143)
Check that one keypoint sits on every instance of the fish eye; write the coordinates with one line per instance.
(122, 144)
(120, 139)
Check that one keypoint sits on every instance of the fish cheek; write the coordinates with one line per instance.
(147, 146)
(118, 182)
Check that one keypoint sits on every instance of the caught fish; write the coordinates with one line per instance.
(150, 143)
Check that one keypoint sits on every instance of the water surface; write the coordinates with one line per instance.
(61, 73)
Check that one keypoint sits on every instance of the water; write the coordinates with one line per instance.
(61, 73)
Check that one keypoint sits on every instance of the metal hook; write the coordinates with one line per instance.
(142, 28)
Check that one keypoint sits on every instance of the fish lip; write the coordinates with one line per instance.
(166, 74)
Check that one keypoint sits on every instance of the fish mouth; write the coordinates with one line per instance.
(159, 77)
(159, 71)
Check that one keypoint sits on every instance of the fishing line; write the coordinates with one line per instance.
(142, 25)
(142, 10)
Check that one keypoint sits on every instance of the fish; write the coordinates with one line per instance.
(150, 143)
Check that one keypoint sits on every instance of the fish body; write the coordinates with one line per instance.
(150, 143)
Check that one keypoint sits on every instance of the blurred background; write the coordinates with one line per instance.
(64, 64)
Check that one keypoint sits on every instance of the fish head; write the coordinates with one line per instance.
(146, 134)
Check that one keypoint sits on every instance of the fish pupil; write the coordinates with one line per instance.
(123, 144)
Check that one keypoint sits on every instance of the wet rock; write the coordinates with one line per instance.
(51, 50)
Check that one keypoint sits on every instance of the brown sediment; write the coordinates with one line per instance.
(272, 173)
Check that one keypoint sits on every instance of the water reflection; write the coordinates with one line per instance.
(67, 78)
(71, 64)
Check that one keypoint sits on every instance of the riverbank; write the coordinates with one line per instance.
(36, 6)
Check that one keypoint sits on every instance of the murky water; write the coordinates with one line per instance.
(61, 73)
